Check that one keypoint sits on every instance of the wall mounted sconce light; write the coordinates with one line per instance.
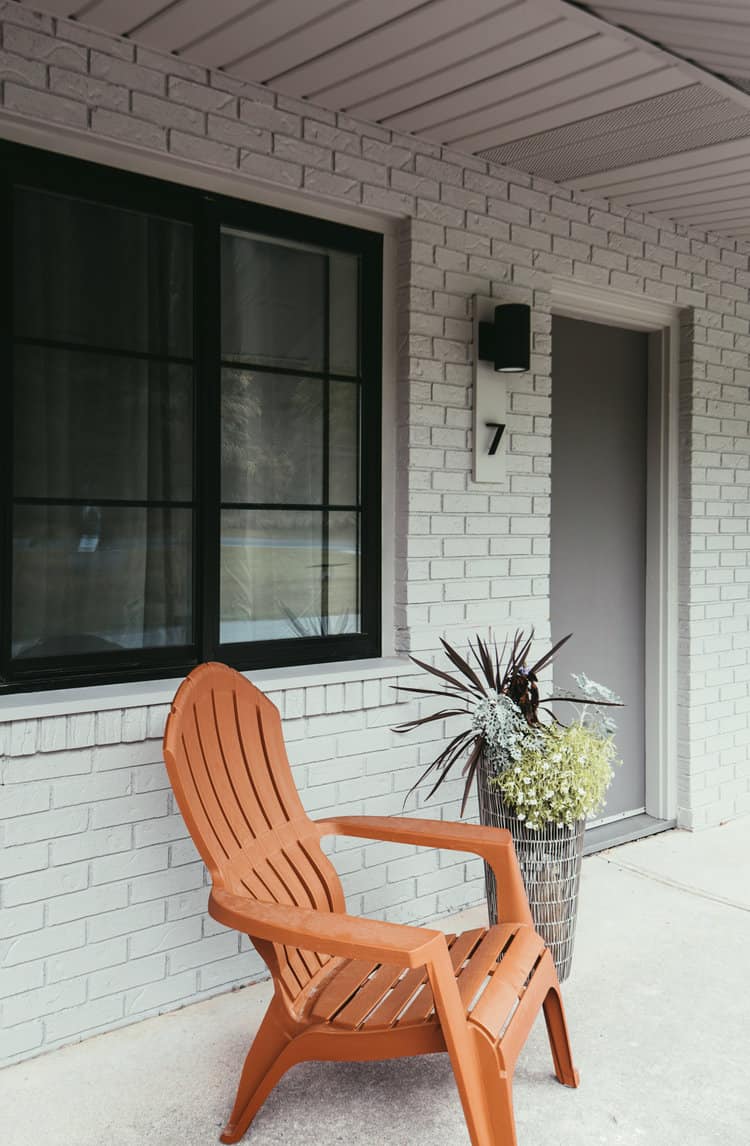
(506, 340)
(502, 342)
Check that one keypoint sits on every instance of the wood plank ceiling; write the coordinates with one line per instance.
(713, 33)
(579, 96)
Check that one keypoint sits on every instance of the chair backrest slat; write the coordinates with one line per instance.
(228, 822)
(227, 762)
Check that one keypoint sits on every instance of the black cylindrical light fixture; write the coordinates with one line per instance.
(506, 342)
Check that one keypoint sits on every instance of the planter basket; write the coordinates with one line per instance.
(550, 862)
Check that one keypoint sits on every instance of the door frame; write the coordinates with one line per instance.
(661, 321)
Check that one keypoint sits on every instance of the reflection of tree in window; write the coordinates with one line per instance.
(272, 438)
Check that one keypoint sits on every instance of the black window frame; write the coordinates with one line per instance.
(207, 213)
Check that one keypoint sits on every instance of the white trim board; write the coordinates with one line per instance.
(662, 322)
(611, 307)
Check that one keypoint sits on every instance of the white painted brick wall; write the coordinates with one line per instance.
(103, 898)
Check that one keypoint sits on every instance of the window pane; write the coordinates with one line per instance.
(97, 578)
(344, 319)
(92, 426)
(272, 438)
(343, 574)
(99, 275)
(273, 302)
(271, 574)
(343, 443)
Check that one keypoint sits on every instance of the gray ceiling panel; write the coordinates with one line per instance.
(396, 88)
(186, 22)
(531, 87)
(311, 35)
(113, 15)
(375, 48)
(710, 190)
(713, 34)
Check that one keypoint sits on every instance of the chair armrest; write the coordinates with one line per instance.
(494, 845)
(329, 933)
(424, 833)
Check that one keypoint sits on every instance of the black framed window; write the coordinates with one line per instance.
(191, 430)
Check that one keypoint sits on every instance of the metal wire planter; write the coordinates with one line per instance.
(550, 862)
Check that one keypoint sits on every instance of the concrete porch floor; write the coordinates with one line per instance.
(658, 1006)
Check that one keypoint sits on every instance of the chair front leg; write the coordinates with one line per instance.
(498, 1078)
(470, 1080)
(268, 1059)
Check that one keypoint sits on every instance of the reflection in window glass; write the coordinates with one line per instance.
(101, 276)
(288, 305)
(343, 443)
(271, 566)
(100, 578)
(272, 438)
(273, 303)
(343, 573)
(92, 426)
(344, 317)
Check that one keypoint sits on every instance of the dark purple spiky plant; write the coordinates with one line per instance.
(493, 674)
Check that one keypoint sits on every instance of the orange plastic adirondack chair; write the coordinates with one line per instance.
(348, 988)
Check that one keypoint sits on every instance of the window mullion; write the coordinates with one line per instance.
(6, 423)
(370, 366)
(326, 493)
(208, 427)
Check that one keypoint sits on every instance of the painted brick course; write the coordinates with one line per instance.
(102, 916)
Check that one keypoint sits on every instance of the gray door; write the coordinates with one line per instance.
(598, 547)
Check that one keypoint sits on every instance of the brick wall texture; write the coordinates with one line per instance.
(102, 908)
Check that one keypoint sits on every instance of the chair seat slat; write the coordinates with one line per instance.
(368, 996)
(423, 1006)
(482, 960)
(506, 985)
(388, 1011)
(339, 989)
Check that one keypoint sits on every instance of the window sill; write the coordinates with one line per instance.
(146, 693)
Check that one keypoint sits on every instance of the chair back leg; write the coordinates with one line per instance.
(559, 1040)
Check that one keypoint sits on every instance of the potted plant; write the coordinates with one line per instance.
(536, 776)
